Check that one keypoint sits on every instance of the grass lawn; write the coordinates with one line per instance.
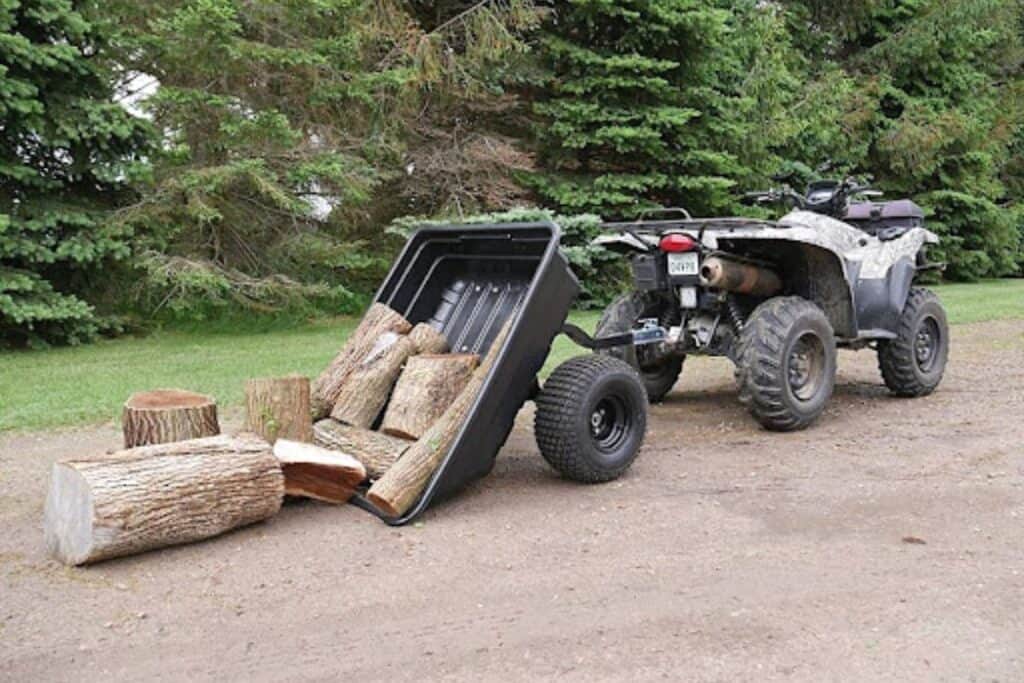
(69, 386)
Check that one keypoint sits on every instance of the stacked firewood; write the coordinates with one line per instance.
(383, 414)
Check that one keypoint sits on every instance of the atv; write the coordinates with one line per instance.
(779, 298)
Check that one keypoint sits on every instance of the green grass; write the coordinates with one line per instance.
(68, 386)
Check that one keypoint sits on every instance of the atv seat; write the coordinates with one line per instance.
(885, 220)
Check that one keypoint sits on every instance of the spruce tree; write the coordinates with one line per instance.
(628, 108)
(65, 150)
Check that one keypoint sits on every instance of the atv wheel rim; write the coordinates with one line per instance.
(926, 344)
(609, 423)
(805, 367)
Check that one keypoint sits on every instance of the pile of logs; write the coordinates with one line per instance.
(383, 414)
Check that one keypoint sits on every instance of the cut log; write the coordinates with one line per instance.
(314, 472)
(168, 415)
(378, 452)
(379, 320)
(155, 496)
(365, 392)
(426, 387)
(278, 408)
(401, 486)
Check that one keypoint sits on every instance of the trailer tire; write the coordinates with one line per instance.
(619, 317)
(786, 365)
(591, 418)
(912, 365)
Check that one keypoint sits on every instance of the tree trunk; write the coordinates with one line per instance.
(379, 320)
(155, 496)
(314, 472)
(399, 488)
(365, 392)
(426, 387)
(278, 408)
(168, 415)
(378, 452)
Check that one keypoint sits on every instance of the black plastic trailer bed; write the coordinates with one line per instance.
(468, 280)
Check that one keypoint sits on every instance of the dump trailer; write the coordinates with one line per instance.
(467, 282)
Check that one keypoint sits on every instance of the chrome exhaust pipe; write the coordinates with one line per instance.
(741, 278)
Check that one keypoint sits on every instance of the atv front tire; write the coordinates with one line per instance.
(786, 365)
(912, 365)
(591, 418)
(621, 316)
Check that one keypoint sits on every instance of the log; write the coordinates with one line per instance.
(401, 486)
(314, 472)
(378, 452)
(365, 392)
(427, 386)
(168, 415)
(278, 408)
(154, 496)
(379, 320)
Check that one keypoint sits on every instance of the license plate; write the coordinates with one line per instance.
(682, 264)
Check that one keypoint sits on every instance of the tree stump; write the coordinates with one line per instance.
(426, 387)
(168, 415)
(314, 472)
(278, 408)
(155, 496)
(365, 392)
(401, 486)
(379, 320)
(378, 452)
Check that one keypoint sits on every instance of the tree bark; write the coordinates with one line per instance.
(401, 486)
(168, 415)
(314, 472)
(379, 320)
(378, 452)
(426, 387)
(278, 408)
(365, 392)
(155, 496)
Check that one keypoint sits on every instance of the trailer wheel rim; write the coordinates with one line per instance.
(806, 366)
(610, 423)
(926, 344)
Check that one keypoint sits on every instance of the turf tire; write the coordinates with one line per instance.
(575, 393)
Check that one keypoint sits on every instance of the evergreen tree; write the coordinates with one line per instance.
(630, 108)
(65, 152)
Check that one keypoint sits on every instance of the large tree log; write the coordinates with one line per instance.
(378, 452)
(167, 415)
(314, 472)
(365, 393)
(278, 408)
(426, 387)
(401, 486)
(379, 320)
(154, 496)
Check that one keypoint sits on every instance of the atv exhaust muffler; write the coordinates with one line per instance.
(741, 278)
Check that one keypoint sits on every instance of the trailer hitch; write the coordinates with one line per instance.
(650, 333)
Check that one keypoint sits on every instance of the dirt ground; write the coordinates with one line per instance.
(727, 553)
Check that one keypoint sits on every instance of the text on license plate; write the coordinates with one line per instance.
(682, 264)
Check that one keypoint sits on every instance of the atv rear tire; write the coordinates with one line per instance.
(912, 365)
(786, 365)
(621, 316)
(591, 418)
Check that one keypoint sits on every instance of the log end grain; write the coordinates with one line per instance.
(67, 516)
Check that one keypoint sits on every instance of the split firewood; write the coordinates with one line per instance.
(155, 496)
(402, 485)
(278, 408)
(427, 386)
(314, 472)
(365, 392)
(167, 415)
(379, 320)
(378, 452)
